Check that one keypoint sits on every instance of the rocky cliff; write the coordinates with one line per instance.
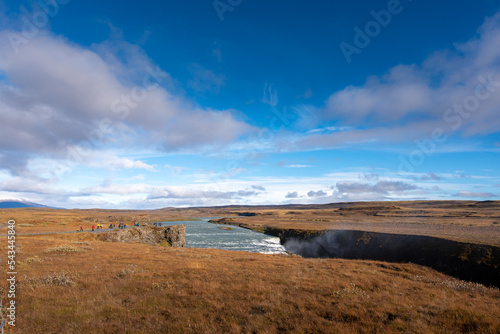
(168, 236)
(467, 261)
(473, 262)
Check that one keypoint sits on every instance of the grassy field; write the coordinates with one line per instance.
(73, 283)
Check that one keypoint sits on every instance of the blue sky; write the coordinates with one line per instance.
(197, 103)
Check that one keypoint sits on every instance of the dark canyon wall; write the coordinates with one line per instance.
(472, 262)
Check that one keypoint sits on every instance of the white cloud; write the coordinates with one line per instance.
(381, 187)
(319, 193)
(123, 163)
(410, 101)
(57, 94)
(474, 194)
(122, 190)
(22, 185)
(139, 177)
(189, 193)
(430, 176)
(90, 202)
(175, 170)
(117, 189)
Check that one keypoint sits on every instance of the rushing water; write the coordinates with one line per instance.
(202, 234)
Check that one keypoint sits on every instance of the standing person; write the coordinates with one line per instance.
(93, 226)
(81, 228)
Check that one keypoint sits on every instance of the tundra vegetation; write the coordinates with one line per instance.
(79, 283)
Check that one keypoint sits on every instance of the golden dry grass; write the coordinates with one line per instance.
(136, 288)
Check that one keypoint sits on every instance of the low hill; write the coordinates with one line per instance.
(17, 204)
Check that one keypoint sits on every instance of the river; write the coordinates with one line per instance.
(202, 234)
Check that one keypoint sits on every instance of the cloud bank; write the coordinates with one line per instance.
(55, 95)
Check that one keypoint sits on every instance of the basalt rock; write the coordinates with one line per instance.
(168, 236)
(471, 262)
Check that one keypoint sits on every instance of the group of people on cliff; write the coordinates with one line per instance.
(111, 226)
(121, 226)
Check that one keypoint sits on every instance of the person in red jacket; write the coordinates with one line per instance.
(81, 228)
(93, 227)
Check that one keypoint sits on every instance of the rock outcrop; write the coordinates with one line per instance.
(168, 236)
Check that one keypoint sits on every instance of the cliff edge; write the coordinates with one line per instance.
(168, 236)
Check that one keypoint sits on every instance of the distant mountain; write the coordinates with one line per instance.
(15, 204)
